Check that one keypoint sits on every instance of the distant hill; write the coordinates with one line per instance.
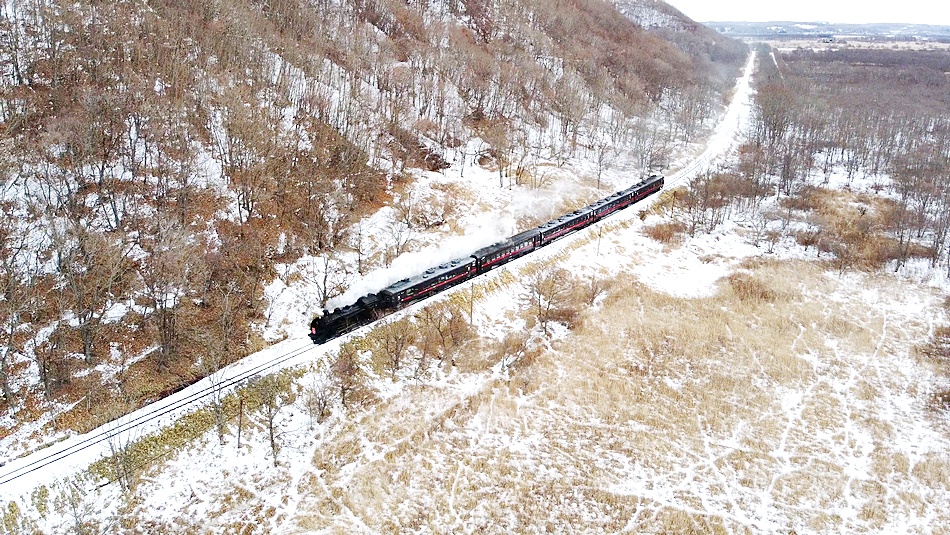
(827, 29)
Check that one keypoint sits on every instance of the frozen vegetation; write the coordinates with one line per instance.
(715, 382)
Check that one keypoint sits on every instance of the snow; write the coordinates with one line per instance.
(84, 449)
(725, 139)
(647, 16)
(227, 486)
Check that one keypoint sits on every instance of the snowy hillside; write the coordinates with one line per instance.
(716, 383)
(650, 14)
(186, 183)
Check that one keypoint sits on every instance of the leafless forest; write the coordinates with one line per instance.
(157, 158)
(867, 112)
(870, 112)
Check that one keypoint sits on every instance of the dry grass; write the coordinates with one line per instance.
(856, 228)
(659, 415)
(936, 354)
(768, 407)
(665, 201)
(668, 233)
(750, 290)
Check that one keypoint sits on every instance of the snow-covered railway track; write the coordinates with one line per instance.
(724, 139)
(97, 442)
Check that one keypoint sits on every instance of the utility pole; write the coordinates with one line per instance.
(240, 420)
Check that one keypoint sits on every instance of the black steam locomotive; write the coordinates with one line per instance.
(370, 307)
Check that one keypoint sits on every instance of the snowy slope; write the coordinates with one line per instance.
(43, 467)
(832, 433)
(293, 305)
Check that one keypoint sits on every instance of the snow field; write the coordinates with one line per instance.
(803, 415)
(711, 387)
(799, 407)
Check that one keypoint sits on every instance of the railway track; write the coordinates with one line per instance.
(169, 408)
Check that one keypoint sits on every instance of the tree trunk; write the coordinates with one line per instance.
(5, 375)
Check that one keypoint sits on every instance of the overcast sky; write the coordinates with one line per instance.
(856, 11)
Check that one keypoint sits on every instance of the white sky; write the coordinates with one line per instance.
(854, 11)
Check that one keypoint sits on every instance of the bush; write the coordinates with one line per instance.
(937, 353)
(551, 296)
(667, 233)
(750, 290)
(809, 199)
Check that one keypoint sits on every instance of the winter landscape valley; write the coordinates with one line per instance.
(761, 347)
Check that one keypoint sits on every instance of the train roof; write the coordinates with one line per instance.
(430, 273)
(563, 218)
(521, 237)
(632, 189)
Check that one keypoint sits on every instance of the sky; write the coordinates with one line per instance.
(853, 11)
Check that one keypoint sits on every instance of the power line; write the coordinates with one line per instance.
(147, 417)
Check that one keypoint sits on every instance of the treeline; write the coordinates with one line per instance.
(818, 110)
(870, 112)
(863, 113)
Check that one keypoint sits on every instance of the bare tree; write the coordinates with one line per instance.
(359, 245)
(125, 467)
(19, 271)
(167, 275)
(217, 380)
(706, 201)
(401, 236)
(274, 392)
(95, 271)
(318, 398)
(73, 501)
(603, 151)
(328, 275)
(346, 373)
(549, 294)
(594, 288)
(498, 135)
(392, 340)
(512, 349)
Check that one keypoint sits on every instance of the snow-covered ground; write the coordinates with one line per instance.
(824, 432)
(292, 305)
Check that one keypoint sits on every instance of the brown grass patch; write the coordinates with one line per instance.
(808, 199)
(749, 289)
(716, 407)
(934, 470)
(936, 353)
(665, 201)
(667, 232)
(855, 227)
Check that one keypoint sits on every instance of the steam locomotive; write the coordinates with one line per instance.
(371, 307)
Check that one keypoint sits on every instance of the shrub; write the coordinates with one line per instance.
(937, 353)
(551, 295)
(809, 199)
(515, 350)
(667, 233)
(749, 289)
